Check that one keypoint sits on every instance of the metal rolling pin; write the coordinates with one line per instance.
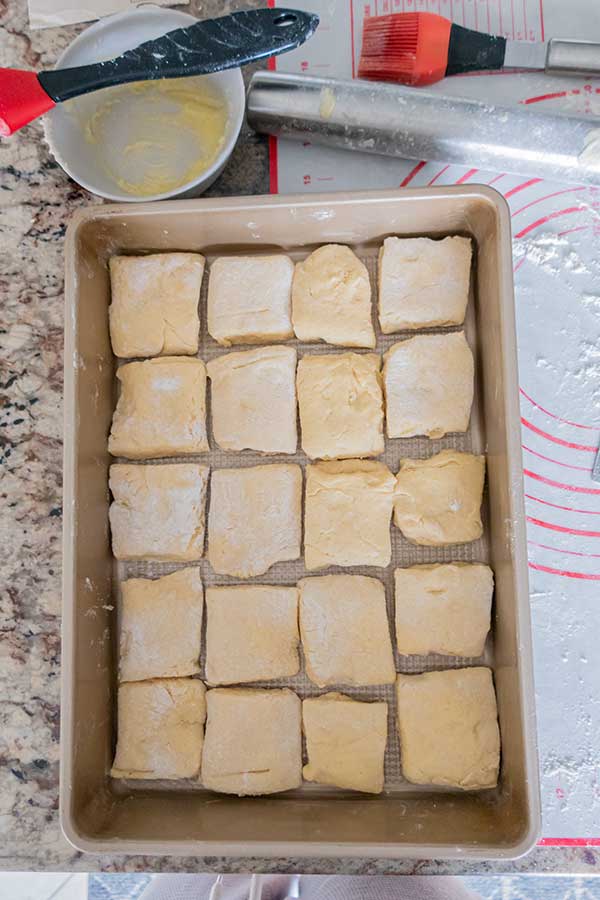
(412, 123)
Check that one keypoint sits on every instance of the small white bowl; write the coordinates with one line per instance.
(105, 39)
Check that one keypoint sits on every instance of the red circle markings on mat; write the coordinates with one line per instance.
(564, 573)
(438, 175)
(553, 215)
(559, 484)
(587, 448)
(571, 230)
(521, 187)
(569, 552)
(553, 416)
(524, 185)
(571, 190)
(585, 512)
(563, 529)
(420, 165)
(569, 444)
(466, 176)
(556, 462)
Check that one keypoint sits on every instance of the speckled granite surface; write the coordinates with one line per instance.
(36, 201)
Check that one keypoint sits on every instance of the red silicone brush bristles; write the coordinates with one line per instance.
(22, 99)
(411, 48)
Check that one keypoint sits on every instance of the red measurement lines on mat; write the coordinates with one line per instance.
(558, 450)
(561, 506)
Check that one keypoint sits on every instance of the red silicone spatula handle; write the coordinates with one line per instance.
(22, 99)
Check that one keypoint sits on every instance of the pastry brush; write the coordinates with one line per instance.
(422, 48)
(207, 46)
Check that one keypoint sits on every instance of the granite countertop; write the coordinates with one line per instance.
(36, 202)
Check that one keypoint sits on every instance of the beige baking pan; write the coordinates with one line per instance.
(104, 816)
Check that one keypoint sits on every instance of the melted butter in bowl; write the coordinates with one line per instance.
(153, 137)
(152, 140)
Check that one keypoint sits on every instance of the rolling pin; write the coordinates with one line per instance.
(412, 123)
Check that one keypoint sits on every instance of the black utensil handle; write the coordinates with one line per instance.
(472, 51)
(206, 46)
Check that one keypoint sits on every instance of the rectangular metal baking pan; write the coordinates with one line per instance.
(101, 815)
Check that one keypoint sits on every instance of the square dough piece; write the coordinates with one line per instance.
(345, 631)
(253, 741)
(341, 405)
(255, 518)
(161, 626)
(251, 633)
(331, 298)
(347, 514)
(160, 729)
(448, 726)
(254, 400)
(438, 500)
(443, 608)
(154, 304)
(158, 511)
(345, 742)
(249, 299)
(422, 282)
(161, 410)
(428, 382)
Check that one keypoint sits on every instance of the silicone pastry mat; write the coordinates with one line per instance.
(403, 552)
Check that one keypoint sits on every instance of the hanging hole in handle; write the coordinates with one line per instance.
(285, 19)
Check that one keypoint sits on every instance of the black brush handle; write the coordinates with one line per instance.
(472, 51)
(207, 46)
